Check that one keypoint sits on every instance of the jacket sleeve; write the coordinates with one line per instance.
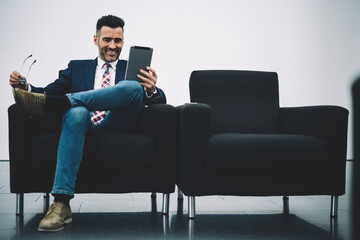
(159, 97)
(60, 86)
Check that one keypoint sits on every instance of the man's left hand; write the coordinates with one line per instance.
(149, 79)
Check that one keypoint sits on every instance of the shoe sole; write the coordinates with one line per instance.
(67, 221)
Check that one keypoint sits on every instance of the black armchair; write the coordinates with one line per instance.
(355, 180)
(143, 161)
(236, 140)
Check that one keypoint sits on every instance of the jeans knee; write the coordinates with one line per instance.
(78, 116)
(135, 88)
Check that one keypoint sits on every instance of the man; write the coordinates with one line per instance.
(93, 96)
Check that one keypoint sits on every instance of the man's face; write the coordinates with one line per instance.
(110, 42)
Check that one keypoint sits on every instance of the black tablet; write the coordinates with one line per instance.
(139, 58)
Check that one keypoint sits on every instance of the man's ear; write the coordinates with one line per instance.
(95, 40)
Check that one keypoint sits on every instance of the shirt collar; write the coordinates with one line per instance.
(102, 62)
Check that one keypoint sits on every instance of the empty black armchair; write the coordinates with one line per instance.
(236, 140)
(142, 161)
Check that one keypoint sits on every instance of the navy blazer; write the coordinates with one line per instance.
(80, 76)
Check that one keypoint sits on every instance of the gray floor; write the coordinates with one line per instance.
(129, 216)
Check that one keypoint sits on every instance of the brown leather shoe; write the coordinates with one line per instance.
(31, 104)
(56, 217)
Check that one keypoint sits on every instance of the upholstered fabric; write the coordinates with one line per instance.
(265, 151)
(101, 148)
(143, 161)
(241, 101)
(236, 140)
(355, 90)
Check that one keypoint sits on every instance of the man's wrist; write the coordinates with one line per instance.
(151, 94)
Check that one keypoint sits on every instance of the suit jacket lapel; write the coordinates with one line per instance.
(89, 72)
(90, 69)
(120, 71)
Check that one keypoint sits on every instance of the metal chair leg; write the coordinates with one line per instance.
(166, 203)
(286, 205)
(191, 205)
(46, 203)
(20, 204)
(153, 202)
(334, 228)
(334, 206)
(166, 224)
(180, 202)
(180, 194)
(19, 226)
(191, 229)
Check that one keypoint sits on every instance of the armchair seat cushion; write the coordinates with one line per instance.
(101, 149)
(268, 152)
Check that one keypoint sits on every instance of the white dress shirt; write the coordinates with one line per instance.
(100, 70)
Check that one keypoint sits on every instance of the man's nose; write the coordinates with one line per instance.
(112, 45)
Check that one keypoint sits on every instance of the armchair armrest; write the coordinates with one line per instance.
(21, 130)
(19, 136)
(329, 123)
(195, 130)
(314, 120)
(160, 121)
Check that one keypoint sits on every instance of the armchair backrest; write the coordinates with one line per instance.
(241, 101)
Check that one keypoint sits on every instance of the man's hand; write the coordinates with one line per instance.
(149, 80)
(15, 81)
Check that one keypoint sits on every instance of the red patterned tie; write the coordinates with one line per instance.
(98, 116)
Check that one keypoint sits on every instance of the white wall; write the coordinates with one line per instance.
(312, 44)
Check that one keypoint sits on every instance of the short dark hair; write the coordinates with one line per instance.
(109, 21)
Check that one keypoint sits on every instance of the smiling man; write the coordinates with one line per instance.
(110, 42)
(92, 95)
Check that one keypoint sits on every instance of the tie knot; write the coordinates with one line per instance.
(107, 65)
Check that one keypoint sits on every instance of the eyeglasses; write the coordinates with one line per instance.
(23, 81)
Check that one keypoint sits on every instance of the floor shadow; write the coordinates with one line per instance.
(145, 225)
(134, 225)
(263, 226)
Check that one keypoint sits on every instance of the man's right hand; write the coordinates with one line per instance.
(15, 81)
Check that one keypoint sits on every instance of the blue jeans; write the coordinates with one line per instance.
(124, 103)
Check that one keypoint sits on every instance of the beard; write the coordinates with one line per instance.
(110, 55)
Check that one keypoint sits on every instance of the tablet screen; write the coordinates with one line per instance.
(139, 58)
